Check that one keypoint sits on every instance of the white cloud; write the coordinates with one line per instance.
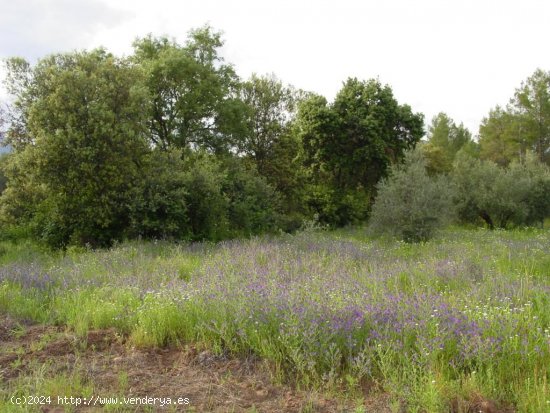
(462, 57)
(34, 28)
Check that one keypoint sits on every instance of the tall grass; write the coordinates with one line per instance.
(439, 324)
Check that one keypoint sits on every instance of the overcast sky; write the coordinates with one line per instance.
(462, 57)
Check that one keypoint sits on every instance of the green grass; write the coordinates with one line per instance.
(291, 300)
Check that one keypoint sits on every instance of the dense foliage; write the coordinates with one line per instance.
(170, 143)
(350, 144)
(507, 134)
(410, 204)
(445, 141)
(515, 196)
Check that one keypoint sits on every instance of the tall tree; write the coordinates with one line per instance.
(347, 146)
(445, 139)
(270, 109)
(85, 126)
(3, 179)
(193, 93)
(269, 141)
(358, 136)
(19, 83)
(500, 137)
(524, 125)
(532, 104)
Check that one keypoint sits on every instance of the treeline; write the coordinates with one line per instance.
(170, 143)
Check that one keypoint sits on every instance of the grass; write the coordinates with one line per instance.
(462, 318)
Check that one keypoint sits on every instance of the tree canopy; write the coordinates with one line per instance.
(192, 93)
(355, 139)
(169, 142)
(507, 134)
(445, 140)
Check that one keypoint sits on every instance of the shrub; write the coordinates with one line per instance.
(338, 207)
(159, 208)
(501, 197)
(207, 206)
(253, 205)
(538, 196)
(410, 204)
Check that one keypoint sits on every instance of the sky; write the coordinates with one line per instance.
(460, 57)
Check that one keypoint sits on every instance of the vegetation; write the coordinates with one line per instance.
(170, 143)
(524, 125)
(410, 204)
(515, 196)
(117, 163)
(437, 324)
(445, 141)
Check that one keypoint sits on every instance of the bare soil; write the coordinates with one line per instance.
(107, 362)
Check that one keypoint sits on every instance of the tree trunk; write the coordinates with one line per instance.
(485, 216)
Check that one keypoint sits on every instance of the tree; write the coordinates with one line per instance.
(270, 109)
(409, 203)
(360, 134)
(507, 134)
(538, 193)
(84, 124)
(19, 83)
(253, 204)
(500, 137)
(532, 103)
(207, 205)
(3, 179)
(445, 140)
(270, 142)
(349, 145)
(502, 197)
(158, 207)
(193, 93)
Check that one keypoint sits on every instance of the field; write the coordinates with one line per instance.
(459, 324)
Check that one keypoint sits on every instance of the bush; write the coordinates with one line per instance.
(254, 205)
(410, 204)
(207, 206)
(538, 196)
(501, 197)
(338, 207)
(159, 208)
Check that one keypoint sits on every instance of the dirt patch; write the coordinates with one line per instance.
(113, 368)
(479, 404)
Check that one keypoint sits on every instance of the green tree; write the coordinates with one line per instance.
(19, 83)
(270, 110)
(410, 204)
(500, 137)
(501, 197)
(84, 124)
(508, 134)
(253, 204)
(158, 208)
(270, 142)
(3, 155)
(349, 145)
(360, 134)
(445, 139)
(538, 194)
(193, 93)
(207, 205)
(532, 103)
(3, 178)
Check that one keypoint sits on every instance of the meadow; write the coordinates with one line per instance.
(439, 326)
